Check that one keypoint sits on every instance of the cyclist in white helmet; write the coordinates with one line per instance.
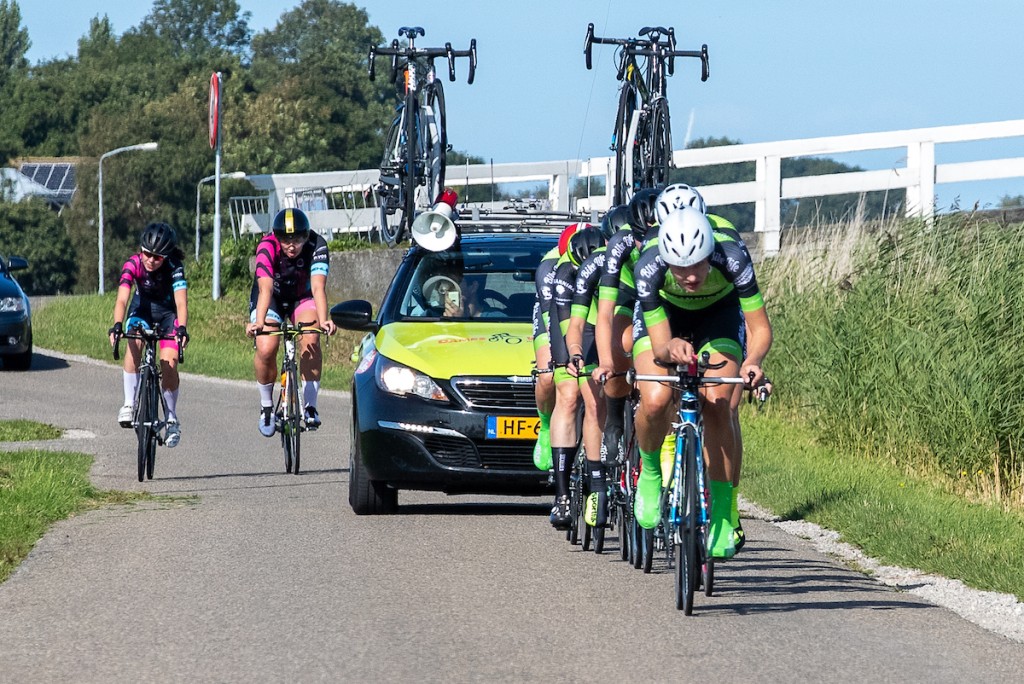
(696, 292)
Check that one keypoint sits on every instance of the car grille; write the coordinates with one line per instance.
(458, 452)
(495, 394)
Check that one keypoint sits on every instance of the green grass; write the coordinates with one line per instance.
(218, 347)
(896, 516)
(26, 430)
(38, 488)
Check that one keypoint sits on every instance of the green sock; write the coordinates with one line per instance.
(722, 544)
(735, 517)
(648, 490)
(542, 449)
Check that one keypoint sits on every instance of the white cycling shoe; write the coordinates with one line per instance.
(266, 423)
(172, 435)
(124, 416)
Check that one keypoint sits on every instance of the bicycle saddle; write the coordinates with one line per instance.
(411, 31)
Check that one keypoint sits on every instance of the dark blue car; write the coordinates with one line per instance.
(15, 317)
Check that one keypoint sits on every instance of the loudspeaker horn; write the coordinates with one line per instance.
(434, 229)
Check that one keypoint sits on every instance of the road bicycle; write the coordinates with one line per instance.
(289, 420)
(413, 166)
(642, 137)
(685, 503)
(149, 403)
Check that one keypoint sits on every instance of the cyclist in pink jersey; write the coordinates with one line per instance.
(161, 298)
(292, 263)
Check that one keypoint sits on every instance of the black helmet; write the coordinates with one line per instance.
(159, 238)
(291, 222)
(583, 242)
(643, 211)
(613, 221)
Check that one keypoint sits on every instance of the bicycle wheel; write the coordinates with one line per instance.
(621, 144)
(647, 550)
(435, 140)
(574, 535)
(296, 419)
(413, 168)
(145, 416)
(687, 577)
(654, 154)
(393, 165)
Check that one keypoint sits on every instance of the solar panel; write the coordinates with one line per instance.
(57, 177)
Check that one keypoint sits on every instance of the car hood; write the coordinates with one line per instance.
(443, 349)
(9, 288)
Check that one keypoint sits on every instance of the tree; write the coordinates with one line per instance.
(315, 60)
(199, 29)
(31, 229)
(14, 42)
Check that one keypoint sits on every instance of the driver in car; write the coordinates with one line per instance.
(445, 289)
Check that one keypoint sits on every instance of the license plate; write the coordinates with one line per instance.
(512, 427)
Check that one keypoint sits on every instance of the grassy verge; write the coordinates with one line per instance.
(38, 488)
(219, 347)
(893, 515)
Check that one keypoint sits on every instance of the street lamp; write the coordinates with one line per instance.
(199, 185)
(146, 147)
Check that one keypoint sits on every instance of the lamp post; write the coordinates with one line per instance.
(199, 185)
(146, 147)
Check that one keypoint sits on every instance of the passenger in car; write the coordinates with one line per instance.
(442, 289)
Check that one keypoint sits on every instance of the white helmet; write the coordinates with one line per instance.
(685, 237)
(678, 195)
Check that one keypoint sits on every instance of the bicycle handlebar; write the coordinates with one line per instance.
(146, 335)
(651, 47)
(411, 52)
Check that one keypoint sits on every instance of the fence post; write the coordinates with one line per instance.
(921, 167)
(768, 206)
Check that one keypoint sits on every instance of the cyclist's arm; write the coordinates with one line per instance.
(120, 307)
(759, 341)
(265, 288)
(181, 304)
(318, 284)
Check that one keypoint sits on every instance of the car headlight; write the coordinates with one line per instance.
(12, 305)
(401, 380)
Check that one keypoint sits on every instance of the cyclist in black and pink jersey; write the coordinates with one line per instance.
(291, 282)
(161, 298)
(696, 292)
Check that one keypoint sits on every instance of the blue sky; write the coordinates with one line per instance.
(780, 69)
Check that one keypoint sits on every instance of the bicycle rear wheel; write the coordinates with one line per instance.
(655, 146)
(412, 169)
(290, 423)
(393, 169)
(687, 576)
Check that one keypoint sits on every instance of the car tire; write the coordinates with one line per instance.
(366, 496)
(19, 362)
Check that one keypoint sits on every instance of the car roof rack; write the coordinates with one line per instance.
(517, 216)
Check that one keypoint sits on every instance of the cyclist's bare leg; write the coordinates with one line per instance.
(544, 397)
(593, 418)
(654, 415)
(309, 348)
(265, 359)
(720, 412)
(132, 355)
(169, 367)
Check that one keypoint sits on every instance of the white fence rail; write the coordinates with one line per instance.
(343, 201)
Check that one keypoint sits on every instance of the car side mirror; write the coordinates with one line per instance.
(16, 264)
(355, 314)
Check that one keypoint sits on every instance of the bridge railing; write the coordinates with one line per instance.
(343, 201)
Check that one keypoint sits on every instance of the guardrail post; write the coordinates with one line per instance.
(558, 192)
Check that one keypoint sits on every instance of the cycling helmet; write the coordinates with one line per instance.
(159, 238)
(289, 222)
(679, 195)
(685, 238)
(563, 239)
(613, 221)
(642, 212)
(583, 243)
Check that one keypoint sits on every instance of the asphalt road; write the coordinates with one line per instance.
(248, 574)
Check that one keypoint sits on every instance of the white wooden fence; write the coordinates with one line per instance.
(342, 201)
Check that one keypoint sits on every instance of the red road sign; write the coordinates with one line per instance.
(214, 109)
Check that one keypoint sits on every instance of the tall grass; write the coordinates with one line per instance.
(902, 341)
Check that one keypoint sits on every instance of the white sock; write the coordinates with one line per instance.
(266, 393)
(171, 398)
(131, 381)
(310, 389)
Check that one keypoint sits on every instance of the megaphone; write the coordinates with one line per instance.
(434, 228)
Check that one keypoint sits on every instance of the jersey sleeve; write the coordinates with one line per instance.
(649, 277)
(321, 261)
(588, 277)
(130, 271)
(266, 255)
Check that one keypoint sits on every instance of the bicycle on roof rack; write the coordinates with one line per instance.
(413, 166)
(642, 137)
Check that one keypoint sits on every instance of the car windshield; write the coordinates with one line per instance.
(479, 281)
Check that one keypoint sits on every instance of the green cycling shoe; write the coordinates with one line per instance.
(722, 535)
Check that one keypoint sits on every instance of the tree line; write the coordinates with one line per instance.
(296, 99)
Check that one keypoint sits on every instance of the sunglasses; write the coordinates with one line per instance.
(154, 257)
